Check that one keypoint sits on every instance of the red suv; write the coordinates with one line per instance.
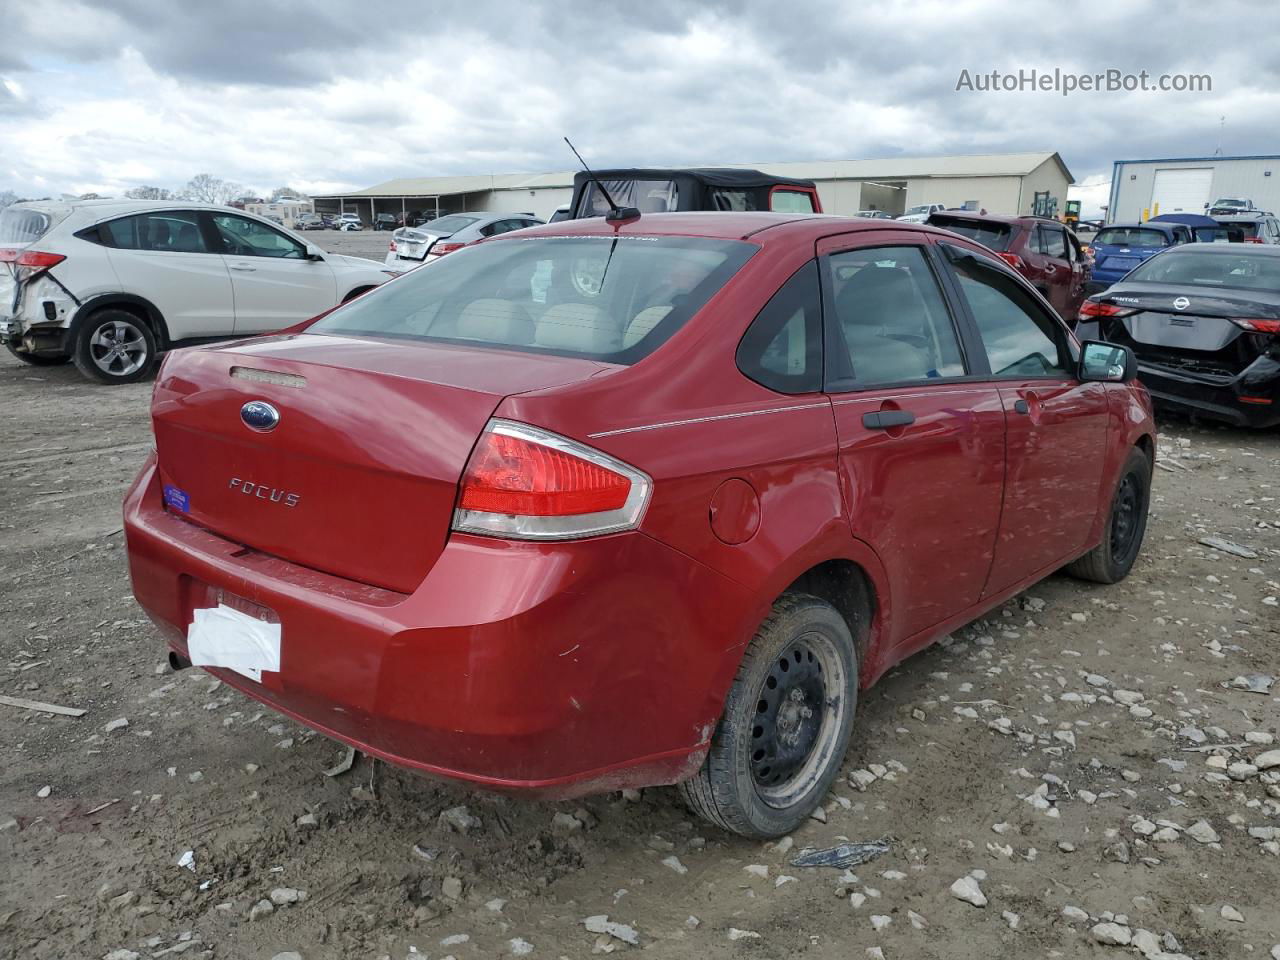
(1043, 251)
(606, 504)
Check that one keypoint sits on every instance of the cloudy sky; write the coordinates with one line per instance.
(333, 94)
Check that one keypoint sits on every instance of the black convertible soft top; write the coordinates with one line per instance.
(691, 188)
(712, 176)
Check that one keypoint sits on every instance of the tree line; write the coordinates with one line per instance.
(203, 187)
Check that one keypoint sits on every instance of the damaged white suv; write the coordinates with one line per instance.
(110, 284)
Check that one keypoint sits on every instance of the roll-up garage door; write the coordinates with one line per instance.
(1181, 190)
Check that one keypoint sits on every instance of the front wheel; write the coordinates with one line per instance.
(786, 723)
(115, 346)
(1112, 559)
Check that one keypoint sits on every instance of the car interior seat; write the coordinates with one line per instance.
(578, 327)
(495, 321)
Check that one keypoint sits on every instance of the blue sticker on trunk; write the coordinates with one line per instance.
(175, 498)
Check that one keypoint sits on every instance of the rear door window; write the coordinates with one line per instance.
(782, 349)
(1053, 243)
(1020, 339)
(890, 318)
(164, 231)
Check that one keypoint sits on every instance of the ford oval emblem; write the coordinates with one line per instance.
(259, 415)
(1181, 303)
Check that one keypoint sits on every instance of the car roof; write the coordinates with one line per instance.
(1250, 217)
(1225, 249)
(759, 227)
(1142, 225)
(991, 217)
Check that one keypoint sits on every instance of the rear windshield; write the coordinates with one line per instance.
(1241, 229)
(1212, 234)
(447, 226)
(614, 299)
(1130, 237)
(993, 236)
(1251, 271)
(22, 225)
(647, 196)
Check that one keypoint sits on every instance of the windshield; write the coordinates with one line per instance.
(647, 196)
(1238, 230)
(614, 299)
(923, 208)
(1251, 271)
(1130, 237)
(1227, 202)
(993, 236)
(21, 225)
(1212, 235)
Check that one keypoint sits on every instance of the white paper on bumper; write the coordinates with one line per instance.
(222, 636)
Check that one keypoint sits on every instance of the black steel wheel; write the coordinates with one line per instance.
(1112, 559)
(786, 723)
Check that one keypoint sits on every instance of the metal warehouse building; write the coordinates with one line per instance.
(1186, 184)
(997, 183)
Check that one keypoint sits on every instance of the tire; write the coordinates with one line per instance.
(768, 769)
(115, 346)
(36, 359)
(1112, 559)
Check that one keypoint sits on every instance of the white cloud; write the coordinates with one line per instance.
(102, 96)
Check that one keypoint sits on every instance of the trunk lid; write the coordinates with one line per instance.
(359, 476)
(1190, 329)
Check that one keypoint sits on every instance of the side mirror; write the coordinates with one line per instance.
(1106, 363)
(314, 252)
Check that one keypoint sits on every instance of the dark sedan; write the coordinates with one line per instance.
(1204, 320)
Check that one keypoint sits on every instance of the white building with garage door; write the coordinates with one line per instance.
(1145, 188)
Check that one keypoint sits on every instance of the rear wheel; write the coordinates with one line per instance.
(36, 359)
(786, 723)
(1112, 559)
(115, 346)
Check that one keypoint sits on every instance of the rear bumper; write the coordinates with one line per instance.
(1219, 398)
(560, 669)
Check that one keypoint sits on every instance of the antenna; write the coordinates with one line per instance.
(615, 212)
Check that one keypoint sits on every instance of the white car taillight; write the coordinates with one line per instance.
(530, 484)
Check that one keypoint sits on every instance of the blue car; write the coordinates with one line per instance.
(1119, 247)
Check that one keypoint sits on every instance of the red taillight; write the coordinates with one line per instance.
(1012, 259)
(528, 483)
(1257, 326)
(38, 260)
(1092, 308)
(1252, 240)
(1088, 251)
(392, 246)
(442, 248)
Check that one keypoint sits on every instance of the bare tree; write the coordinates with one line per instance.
(149, 193)
(7, 197)
(207, 188)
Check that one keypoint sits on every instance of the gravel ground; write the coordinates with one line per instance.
(1069, 775)
(364, 243)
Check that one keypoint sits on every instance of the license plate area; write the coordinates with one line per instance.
(233, 633)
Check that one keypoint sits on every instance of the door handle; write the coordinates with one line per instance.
(884, 419)
(1021, 406)
(243, 267)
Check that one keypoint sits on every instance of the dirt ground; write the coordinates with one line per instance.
(1061, 753)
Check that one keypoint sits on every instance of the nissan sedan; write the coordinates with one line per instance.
(618, 503)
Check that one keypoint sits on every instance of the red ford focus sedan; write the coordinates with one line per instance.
(608, 504)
